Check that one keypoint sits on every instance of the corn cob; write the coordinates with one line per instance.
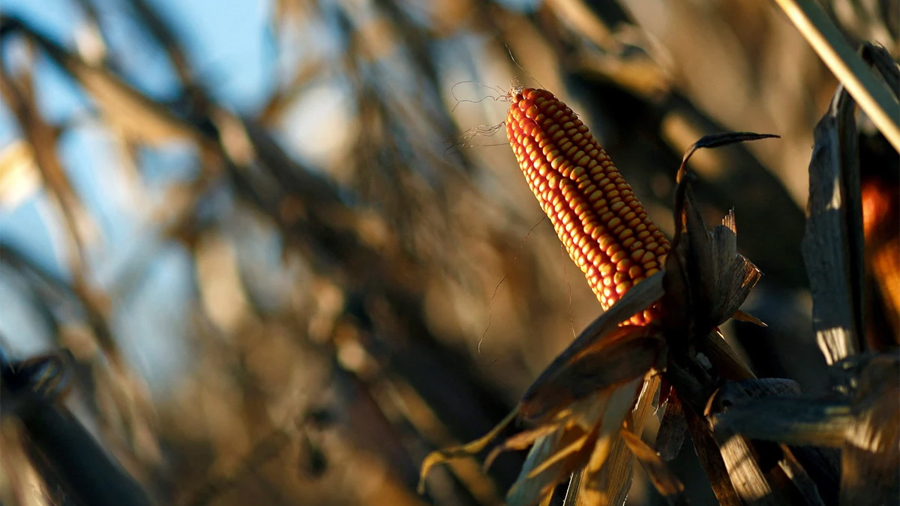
(593, 210)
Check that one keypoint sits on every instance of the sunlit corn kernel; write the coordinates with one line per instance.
(583, 194)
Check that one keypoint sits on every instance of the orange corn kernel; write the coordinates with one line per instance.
(593, 210)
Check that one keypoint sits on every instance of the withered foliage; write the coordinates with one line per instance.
(580, 408)
(759, 440)
(341, 317)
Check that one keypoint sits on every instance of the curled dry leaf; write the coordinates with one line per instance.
(467, 450)
(707, 280)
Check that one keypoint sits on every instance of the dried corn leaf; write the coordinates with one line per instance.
(587, 412)
(596, 486)
(794, 421)
(601, 332)
(131, 111)
(615, 477)
(619, 483)
(749, 318)
(711, 459)
(717, 278)
(726, 360)
(672, 430)
(581, 417)
(620, 464)
(748, 479)
(880, 59)
(733, 275)
(706, 279)
(833, 242)
(870, 461)
(520, 441)
(663, 479)
(772, 470)
(467, 450)
(716, 141)
(545, 466)
(644, 403)
(630, 355)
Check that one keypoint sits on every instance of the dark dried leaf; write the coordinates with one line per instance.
(783, 472)
(794, 421)
(706, 279)
(734, 276)
(749, 318)
(711, 459)
(663, 479)
(881, 60)
(735, 392)
(542, 471)
(725, 359)
(718, 140)
(672, 430)
(833, 242)
(871, 458)
(601, 332)
(630, 356)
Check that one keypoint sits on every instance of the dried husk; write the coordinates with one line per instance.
(672, 430)
(833, 242)
(870, 461)
(577, 406)
(666, 483)
(706, 278)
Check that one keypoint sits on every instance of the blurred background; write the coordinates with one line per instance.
(290, 251)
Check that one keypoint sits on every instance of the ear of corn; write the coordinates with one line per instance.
(593, 210)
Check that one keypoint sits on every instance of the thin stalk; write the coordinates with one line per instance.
(846, 65)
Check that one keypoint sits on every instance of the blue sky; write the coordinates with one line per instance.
(228, 44)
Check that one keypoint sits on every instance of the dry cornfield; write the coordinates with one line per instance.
(265, 254)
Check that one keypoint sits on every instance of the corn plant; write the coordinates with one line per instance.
(319, 335)
(584, 414)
